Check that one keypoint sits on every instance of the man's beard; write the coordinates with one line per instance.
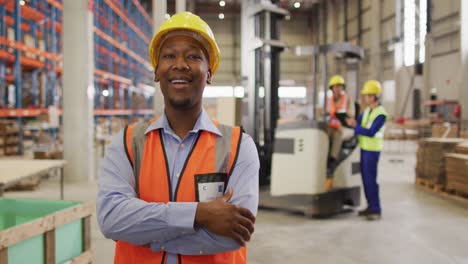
(181, 104)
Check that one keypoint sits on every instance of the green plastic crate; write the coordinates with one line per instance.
(68, 237)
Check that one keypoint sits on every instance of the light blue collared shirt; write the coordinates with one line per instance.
(169, 226)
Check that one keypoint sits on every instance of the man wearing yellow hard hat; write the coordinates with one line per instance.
(180, 188)
(370, 127)
(339, 107)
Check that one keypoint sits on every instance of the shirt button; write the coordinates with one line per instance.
(182, 145)
(178, 175)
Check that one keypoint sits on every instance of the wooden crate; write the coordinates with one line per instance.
(48, 231)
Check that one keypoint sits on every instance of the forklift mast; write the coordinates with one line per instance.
(260, 70)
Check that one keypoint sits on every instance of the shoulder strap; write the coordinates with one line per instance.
(134, 142)
(227, 148)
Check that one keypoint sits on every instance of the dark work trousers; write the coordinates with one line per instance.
(369, 164)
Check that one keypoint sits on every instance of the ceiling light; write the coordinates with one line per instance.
(22, 2)
(105, 93)
(297, 4)
(222, 3)
(221, 16)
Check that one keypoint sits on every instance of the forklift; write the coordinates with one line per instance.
(293, 155)
(300, 179)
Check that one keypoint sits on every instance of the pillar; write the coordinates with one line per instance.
(78, 90)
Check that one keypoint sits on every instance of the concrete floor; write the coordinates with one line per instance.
(417, 227)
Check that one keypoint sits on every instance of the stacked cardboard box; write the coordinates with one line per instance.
(444, 131)
(456, 169)
(464, 134)
(9, 133)
(430, 158)
(462, 148)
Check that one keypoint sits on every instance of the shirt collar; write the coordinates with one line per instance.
(203, 123)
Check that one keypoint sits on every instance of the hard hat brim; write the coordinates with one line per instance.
(212, 48)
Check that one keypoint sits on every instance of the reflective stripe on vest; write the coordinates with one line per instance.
(211, 154)
(333, 109)
(374, 143)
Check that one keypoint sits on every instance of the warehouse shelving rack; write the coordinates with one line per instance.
(122, 72)
(30, 47)
(31, 60)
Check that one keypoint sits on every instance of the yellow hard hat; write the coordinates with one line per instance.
(372, 87)
(186, 22)
(336, 79)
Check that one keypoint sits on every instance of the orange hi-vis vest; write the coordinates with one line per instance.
(333, 109)
(212, 158)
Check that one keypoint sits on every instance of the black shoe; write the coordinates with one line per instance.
(373, 216)
(364, 212)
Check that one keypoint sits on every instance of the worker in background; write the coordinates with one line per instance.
(370, 127)
(339, 106)
(180, 188)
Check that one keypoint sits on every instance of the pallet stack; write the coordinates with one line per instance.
(456, 168)
(9, 137)
(430, 164)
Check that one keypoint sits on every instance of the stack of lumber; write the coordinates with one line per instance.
(431, 158)
(456, 168)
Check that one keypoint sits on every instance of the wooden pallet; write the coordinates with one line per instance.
(458, 197)
(437, 187)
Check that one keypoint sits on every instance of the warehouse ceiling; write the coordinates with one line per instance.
(233, 6)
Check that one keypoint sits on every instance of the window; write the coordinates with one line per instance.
(414, 25)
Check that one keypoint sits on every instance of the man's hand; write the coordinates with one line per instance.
(351, 122)
(225, 219)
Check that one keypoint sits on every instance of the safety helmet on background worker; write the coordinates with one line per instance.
(187, 24)
(336, 80)
(372, 87)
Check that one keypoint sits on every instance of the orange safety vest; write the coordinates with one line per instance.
(211, 154)
(333, 109)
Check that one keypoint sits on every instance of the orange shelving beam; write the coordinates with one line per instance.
(30, 13)
(123, 48)
(27, 12)
(58, 26)
(127, 21)
(26, 62)
(20, 112)
(7, 56)
(145, 111)
(25, 48)
(24, 112)
(111, 76)
(9, 78)
(143, 11)
(10, 22)
(113, 112)
(55, 4)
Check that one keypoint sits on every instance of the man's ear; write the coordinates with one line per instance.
(208, 77)
(156, 76)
